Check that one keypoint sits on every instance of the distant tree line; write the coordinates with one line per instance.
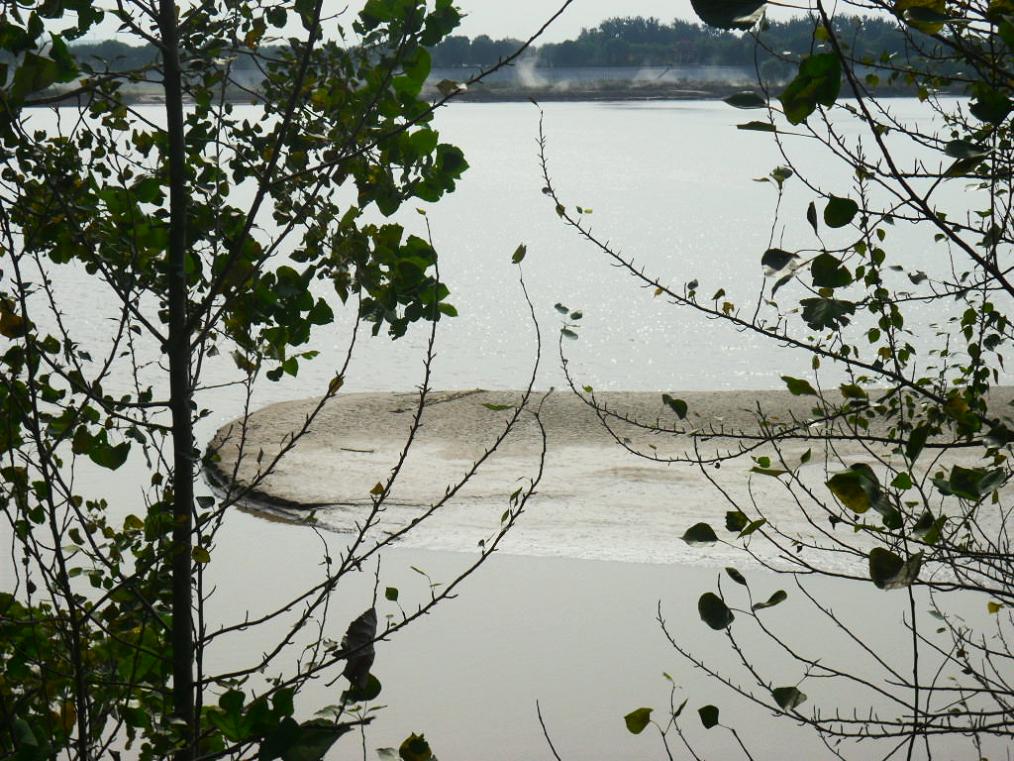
(629, 41)
(639, 41)
(118, 56)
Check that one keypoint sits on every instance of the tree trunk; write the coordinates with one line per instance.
(178, 350)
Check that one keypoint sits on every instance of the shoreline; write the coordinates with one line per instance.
(584, 92)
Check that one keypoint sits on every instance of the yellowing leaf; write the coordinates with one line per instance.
(925, 15)
(11, 325)
(253, 37)
(449, 87)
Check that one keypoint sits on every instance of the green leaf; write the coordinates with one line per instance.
(775, 260)
(990, 105)
(799, 386)
(963, 167)
(700, 534)
(714, 612)
(25, 738)
(788, 698)
(970, 483)
(772, 472)
(756, 126)
(280, 739)
(889, 571)
(736, 576)
(999, 435)
(357, 645)
(314, 739)
(448, 87)
(709, 716)
(12, 325)
(928, 528)
(147, 190)
(66, 66)
(902, 481)
(857, 488)
(747, 99)
(928, 16)
(200, 555)
(840, 211)
(852, 391)
(811, 215)
(106, 456)
(916, 442)
(822, 313)
(965, 149)
(828, 272)
(415, 748)
(519, 254)
(676, 405)
(729, 14)
(736, 521)
(637, 720)
(780, 174)
(752, 527)
(35, 73)
(780, 596)
(369, 690)
(818, 82)
(391, 593)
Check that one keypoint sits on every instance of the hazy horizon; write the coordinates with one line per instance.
(519, 19)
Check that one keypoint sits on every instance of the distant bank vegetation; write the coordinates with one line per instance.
(639, 41)
(629, 41)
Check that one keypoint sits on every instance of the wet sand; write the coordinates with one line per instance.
(356, 438)
(595, 501)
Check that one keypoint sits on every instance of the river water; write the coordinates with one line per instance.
(671, 185)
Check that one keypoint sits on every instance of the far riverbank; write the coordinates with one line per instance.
(533, 87)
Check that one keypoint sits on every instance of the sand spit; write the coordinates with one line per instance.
(357, 438)
(595, 499)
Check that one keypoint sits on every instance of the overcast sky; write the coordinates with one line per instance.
(515, 18)
(520, 18)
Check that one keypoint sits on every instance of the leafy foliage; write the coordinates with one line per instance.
(895, 473)
(207, 233)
